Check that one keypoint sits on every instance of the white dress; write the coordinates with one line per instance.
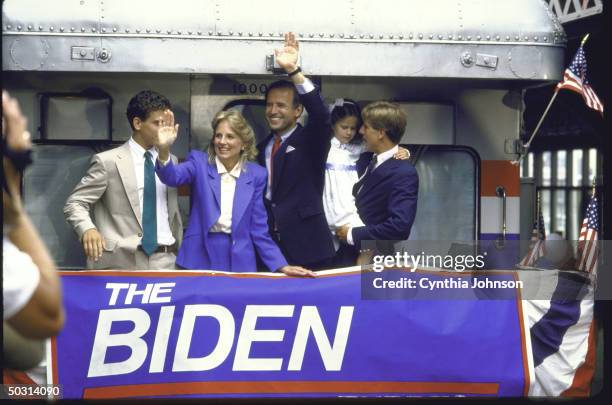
(340, 176)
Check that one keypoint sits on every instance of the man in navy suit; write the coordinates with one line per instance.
(295, 159)
(386, 192)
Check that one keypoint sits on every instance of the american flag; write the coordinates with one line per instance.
(536, 246)
(588, 249)
(575, 79)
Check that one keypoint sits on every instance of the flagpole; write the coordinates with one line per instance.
(594, 185)
(535, 131)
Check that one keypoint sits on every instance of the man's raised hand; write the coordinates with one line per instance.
(287, 57)
(166, 135)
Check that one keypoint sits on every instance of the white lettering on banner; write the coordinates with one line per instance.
(331, 354)
(248, 334)
(182, 362)
(150, 294)
(331, 350)
(162, 335)
(132, 339)
(161, 288)
(116, 287)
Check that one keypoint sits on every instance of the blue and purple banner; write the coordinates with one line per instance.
(204, 334)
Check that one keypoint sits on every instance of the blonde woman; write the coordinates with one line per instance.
(228, 221)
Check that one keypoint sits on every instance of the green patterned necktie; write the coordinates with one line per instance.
(149, 210)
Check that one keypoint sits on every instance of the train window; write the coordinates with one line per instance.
(577, 167)
(75, 117)
(592, 164)
(564, 180)
(449, 181)
(255, 113)
(546, 168)
(46, 186)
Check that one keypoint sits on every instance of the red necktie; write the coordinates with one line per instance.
(275, 148)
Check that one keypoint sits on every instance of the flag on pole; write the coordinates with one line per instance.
(575, 79)
(588, 248)
(536, 246)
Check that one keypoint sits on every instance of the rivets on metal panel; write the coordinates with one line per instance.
(301, 35)
(220, 33)
(30, 27)
(545, 39)
(231, 32)
(381, 36)
(72, 29)
(93, 30)
(179, 32)
(250, 34)
(371, 36)
(351, 36)
(497, 38)
(148, 30)
(199, 32)
(19, 27)
(469, 37)
(158, 31)
(478, 37)
(341, 35)
(401, 36)
(260, 33)
(507, 37)
(138, 30)
(40, 28)
(488, 37)
(62, 29)
(391, 36)
(410, 36)
(526, 38)
(450, 37)
(321, 34)
(535, 38)
(440, 36)
(127, 30)
(103, 29)
(517, 38)
(420, 36)
(431, 36)
(311, 35)
(9, 26)
(332, 35)
(460, 37)
(270, 34)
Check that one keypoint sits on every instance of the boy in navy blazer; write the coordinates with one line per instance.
(386, 192)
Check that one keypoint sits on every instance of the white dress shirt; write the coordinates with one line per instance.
(303, 88)
(228, 189)
(164, 234)
(380, 159)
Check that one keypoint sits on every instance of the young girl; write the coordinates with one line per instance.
(341, 174)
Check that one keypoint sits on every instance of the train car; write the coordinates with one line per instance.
(458, 69)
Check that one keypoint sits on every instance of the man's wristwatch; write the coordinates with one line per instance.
(295, 72)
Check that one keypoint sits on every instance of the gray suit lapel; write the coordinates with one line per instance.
(125, 167)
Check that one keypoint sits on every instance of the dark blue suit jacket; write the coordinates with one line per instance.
(387, 202)
(249, 219)
(297, 189)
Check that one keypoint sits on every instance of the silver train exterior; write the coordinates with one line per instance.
(459, 68)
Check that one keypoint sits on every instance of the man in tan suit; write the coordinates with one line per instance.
(136, 224)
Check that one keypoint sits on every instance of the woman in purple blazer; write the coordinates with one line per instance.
(228, 221)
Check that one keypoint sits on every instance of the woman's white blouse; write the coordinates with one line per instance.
(340, 176)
